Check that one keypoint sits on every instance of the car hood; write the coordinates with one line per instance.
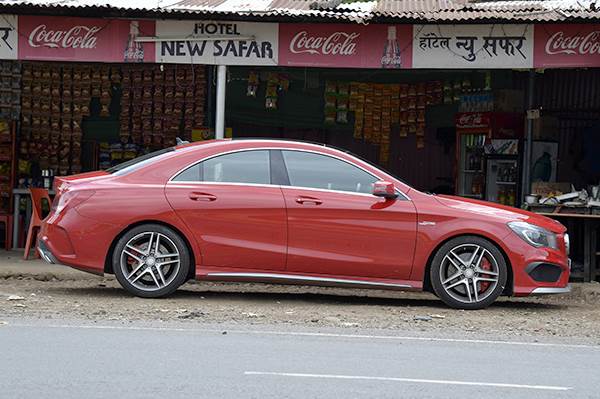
(500, 212)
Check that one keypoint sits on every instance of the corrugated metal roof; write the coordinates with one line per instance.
(356, 11)
(460, 10)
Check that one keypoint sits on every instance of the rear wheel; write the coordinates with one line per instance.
(151, 261)
(468, 273)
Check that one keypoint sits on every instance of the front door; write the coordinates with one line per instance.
(337, 227)
(237, 217)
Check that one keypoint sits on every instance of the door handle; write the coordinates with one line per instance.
(308, 200)
(196, 196)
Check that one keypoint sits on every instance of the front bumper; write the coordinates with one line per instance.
(551, 290)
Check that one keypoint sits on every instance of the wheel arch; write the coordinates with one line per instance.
(108, 259)
(508, 289)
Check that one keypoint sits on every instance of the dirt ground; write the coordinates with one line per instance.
(574, 317)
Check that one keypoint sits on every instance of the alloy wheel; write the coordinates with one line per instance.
(469, 273)
(150, 261)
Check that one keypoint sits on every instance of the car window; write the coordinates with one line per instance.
(238, 167)
(190, 174)
(140, 161)
(306, 169)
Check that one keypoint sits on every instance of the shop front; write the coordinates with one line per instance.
(485, 111)
(449, 108)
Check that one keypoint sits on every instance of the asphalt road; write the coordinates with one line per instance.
(42, 360)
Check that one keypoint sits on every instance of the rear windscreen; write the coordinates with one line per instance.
(133, 164)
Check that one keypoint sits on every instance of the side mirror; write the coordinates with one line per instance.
(384, 189)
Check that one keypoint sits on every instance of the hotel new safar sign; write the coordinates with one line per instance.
(212, 42)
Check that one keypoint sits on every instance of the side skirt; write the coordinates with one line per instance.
(303, 279)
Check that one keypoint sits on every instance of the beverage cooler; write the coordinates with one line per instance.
(503, 166)
(488, 156)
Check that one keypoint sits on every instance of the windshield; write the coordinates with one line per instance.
(135, 163)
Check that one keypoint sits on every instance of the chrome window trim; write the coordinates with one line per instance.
(194, 184)
(400, 193)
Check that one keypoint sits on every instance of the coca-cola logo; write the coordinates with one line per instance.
(560, 43)
(79, 36)
(471, 120)
(337, 43)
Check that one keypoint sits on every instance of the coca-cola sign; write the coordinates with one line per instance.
(567, 45)
(337, 43)
(347, 46)
(472, 120)
(561, 43)
(79, 36)
(84, 39)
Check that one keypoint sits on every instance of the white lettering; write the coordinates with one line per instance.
(559, 43)
(79, 36)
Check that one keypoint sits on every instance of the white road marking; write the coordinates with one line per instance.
(413, 380)
(311, 334)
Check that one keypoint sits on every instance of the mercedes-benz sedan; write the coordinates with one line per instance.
(294, 213)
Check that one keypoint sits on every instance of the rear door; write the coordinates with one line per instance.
(237, 216)
(337, 227)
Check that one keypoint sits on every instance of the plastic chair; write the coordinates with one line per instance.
(8, 221)
(37, 196)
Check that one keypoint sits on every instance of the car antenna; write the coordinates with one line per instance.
(180, 142)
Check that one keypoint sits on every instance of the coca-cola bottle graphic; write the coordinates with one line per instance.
(391, 51)
(134, 51)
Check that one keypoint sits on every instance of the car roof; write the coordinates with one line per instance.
(256, 140)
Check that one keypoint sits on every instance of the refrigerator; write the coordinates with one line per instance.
(488, 156)
(471, 165)
(503, 166)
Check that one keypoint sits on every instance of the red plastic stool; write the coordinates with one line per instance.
(37, 196)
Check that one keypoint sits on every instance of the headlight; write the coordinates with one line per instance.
(534, 235)
(567, 243)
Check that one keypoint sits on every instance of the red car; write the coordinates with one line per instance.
(294, 212)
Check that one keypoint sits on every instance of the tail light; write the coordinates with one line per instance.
(70, 199)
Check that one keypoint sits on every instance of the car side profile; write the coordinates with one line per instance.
(295, 213)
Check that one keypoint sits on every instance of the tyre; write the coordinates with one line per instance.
(151, 261)
(468, 272)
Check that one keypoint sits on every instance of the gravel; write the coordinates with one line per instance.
(575, 316)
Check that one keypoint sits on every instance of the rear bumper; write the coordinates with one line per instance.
(46, 254)
(72, 240)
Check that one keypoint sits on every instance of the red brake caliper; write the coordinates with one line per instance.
(130, 260)
(485, 265)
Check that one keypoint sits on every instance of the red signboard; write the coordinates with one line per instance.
(345, 46)
(84, 39)
(574, 45)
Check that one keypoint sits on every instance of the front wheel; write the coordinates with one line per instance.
(468, 273)
(151, 261)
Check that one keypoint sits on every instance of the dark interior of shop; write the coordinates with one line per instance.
(569, 102)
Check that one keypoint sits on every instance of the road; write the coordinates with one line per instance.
(42, 359)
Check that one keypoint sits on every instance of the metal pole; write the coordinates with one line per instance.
(528, 147)
(220, 112)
